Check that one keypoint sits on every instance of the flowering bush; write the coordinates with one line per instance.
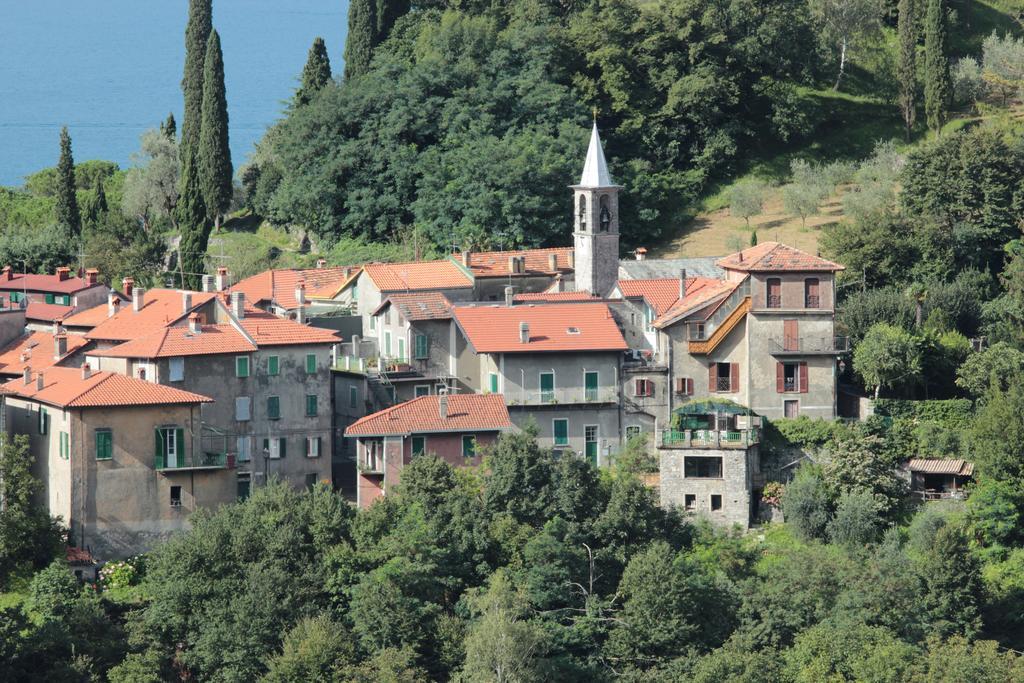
(121, 574)
(772, 494)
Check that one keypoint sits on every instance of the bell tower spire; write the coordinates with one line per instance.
(596, 233)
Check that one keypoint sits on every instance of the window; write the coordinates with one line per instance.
(373, 323)
(353, 397)
(65, 446)
(648, 318)
(243, 488)
(312, 446)
(17, 297)
(170, 442)
(547, 387)
(44, 421)
(311, 405)
(243, 408)
(560, 429)
(724, 377)
(243, 446)
(791, 335)
(59, 299)
(690, 501)
(48, 298)
(175, 496)
(373, 452)
(274, 407)
(684, 385)
(387, 316)
(275, 448)
(104, 444)
(64, 300)
(419, 445)
(468, 446)
(494, 382)
(590, 443)
(632, 432)
(724, 382)
(716, 501)
(310, 363)
(421, 390)
(702, 467)
(774, 298)
(591, 379)
(401, 348)
(311, 480)
(791, 377)
(791, 409)
(811, 298)
(605, 215)
(176, 369)
(387, 344)
(241, 366)
(422, 346)
(142, 373)
(273, 365)
(643, 387)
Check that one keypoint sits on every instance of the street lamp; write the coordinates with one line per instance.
(266, 465)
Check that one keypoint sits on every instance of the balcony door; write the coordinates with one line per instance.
(590, 443)
(791, 335)
(590, 379)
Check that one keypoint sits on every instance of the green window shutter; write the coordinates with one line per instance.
(241, 366)
(282, 446)
(319, 443)
(422, 345)
(49, 298)
(179, 441)
(353, 397)
(494, 382)
(561, 431)
(104, 444)
(401, 349)
(273, 365)
(419, 444)
(42, 420)
(159, 451)
(547, 382)
(310, 363)
(273, 407)
(468, 446)
(311, 405)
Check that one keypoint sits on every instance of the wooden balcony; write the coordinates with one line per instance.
(721, 331)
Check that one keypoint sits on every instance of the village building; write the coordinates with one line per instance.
(297, 293)
(47, 298)
(38, 351)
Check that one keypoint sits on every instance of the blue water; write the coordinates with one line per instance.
(110, 69)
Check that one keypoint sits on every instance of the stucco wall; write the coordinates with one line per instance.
(605, 418)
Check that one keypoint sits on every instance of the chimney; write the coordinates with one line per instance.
(466, 256)
(640, 253)
(63, 273)
(39, 382)
(26, 376)
(60, 345)
(509, 296)
(113, 304)
(5, 274)
(207, 281)
(92, 276)
(137, 300)
(682, 283)
(552, 262)
(512, 264)
(442, 406)
(193, 324)
(222, 279)
(572, 259)
(186, 302)
(86, 371)
(127, 284)
(321, 263)
(524, 332)
(300, 293)
(238, 304)
(56, 326)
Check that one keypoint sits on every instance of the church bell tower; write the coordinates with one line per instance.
(596, 219)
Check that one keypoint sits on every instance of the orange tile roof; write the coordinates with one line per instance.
(180, 341)
(269, 330)
(50, 284)
(278, 285)
(161, 308)
(537, 261)
(47, 312)
(774, 256)
(700, 291)
(419, 306)
(66, 388)
(416, 275)
(659, 293)
(38, 348)
(554, 296)
(90, 317)
(553, 327)
(466, 413)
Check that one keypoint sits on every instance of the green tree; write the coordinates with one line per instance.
(844, 23)
(804, 195)
(169, 128)
(999, 364)
(937, 85)
(887, 357)
(191, 218)
(747, 199)
(317, 649)
(953, 591)
(66, 205)
(54, 592)
(197, 35)
(995, 510)
(361, 37)
(996, 440)
(520, 478)
(860, 463)
(215, 171)
(856, 521)
(906, 63)
(835, 651)
(316, 74)
(152, 184)
(100, 206)
(502, 646)
(962, 660)
(806, 503)
(388, 12)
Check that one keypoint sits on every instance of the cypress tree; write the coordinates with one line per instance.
(170, 128)
(66, 207)
(197, 33)
(214, 152)
(316, 74)
(937, 85)
(906, 67)
(190, 213)
(100, 205)
(362, 37)
(388, 12)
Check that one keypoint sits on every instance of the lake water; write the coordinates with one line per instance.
(111, 69)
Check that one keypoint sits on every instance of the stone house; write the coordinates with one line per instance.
(120, 458)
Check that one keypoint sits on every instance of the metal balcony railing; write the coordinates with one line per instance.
(810, 345)
(774, 301)
(812, 301)
(193, 461)
(562, 396)
(709, 438)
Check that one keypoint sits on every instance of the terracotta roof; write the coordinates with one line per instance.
(75, 555)
(774, 256)
(700, 291)
(161, 308)
(50, 284)
(278, 285)
(660, 294)
(419, 306)
(331, 289)
(38, 348)
(269, 330)
(90, 317)
(466, 413)
(416, 275)
(65, 388)
(936, 466)
(537, 261)
(180, 341)
(47, 312)
(554, 296)
(552, 327)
